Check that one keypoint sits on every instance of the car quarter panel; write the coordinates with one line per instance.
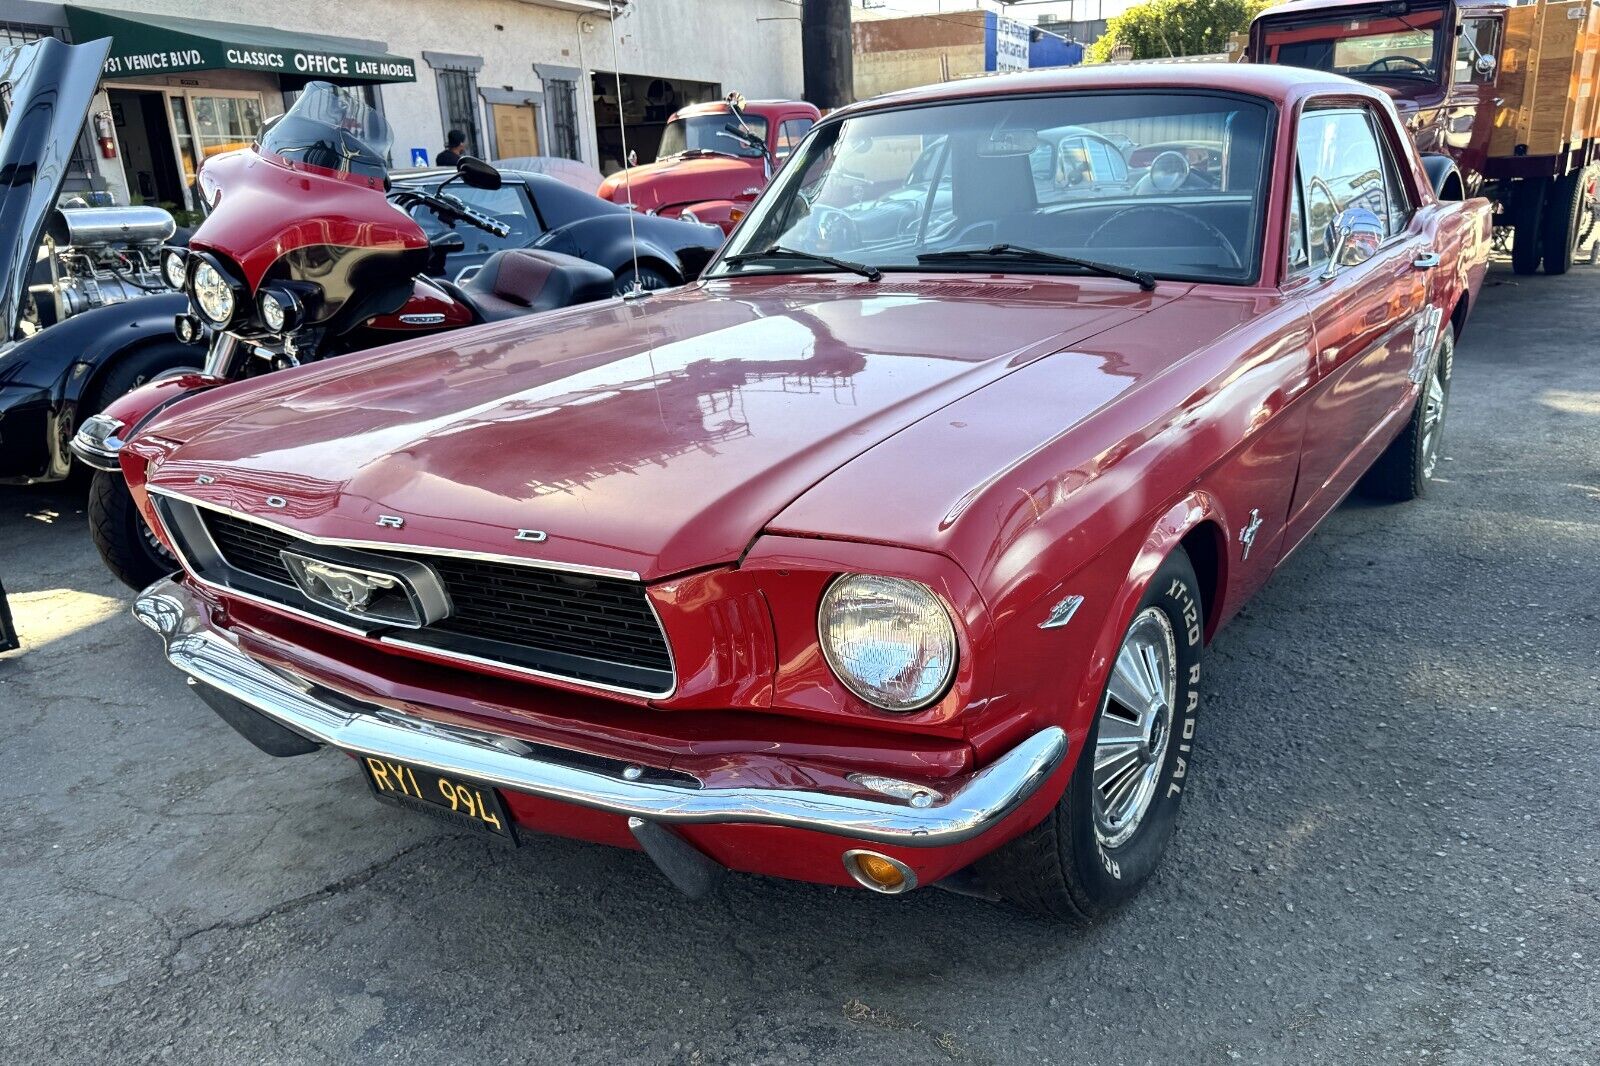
(1192, 416)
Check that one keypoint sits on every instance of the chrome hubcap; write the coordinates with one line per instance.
(1435, 398)
(1135, 726)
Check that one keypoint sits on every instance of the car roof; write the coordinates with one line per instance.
(1281, 84)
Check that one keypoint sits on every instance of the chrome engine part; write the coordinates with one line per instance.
(93, 256)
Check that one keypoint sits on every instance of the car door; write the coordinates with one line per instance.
(1363, 315)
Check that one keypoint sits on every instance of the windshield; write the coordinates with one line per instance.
(1058, 174)
(333, 128)
(1396, 46)
(709, 133)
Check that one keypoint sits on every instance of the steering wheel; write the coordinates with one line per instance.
(835, 230)
(1217, 236)
(1378, 66)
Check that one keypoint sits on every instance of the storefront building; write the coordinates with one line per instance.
(517, 77)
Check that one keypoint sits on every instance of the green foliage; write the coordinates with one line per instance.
(1159, 29)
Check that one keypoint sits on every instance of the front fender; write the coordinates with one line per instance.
(44, 378)
(69, 355)
(99, 441)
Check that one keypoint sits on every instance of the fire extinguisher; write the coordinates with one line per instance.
(102, 132)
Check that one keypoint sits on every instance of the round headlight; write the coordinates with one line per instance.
(273, 313)
(172, 268)
(212, 293)
(889, 640)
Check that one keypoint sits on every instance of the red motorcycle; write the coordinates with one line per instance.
(307, 252)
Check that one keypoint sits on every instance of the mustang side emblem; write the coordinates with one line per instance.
(1247, 535)
(1062, 613)
(351, 589)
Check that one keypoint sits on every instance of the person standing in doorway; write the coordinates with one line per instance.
(454, 148)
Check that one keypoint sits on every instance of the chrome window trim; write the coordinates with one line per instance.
(462, 657)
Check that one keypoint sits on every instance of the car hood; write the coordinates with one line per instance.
(52, 85)
(684, 180)
(654, 437)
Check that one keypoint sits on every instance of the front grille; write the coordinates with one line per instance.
(594, 629)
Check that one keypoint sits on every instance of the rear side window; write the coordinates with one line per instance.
(1342, 166)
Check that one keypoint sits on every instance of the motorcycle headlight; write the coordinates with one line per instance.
(172, 271)
(889, 640)
(280, 310)
(212, 293)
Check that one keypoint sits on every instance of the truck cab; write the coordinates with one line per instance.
(1435, 58)
(714, 160)
(1508, 93)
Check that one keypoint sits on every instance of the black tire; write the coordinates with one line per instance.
(1563, 217)
(128, 548)
(132, 369)
(1404, 469)
(1061, 868)
(1527, 242)
(650, 279)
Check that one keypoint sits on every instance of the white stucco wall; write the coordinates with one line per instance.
(749, 45)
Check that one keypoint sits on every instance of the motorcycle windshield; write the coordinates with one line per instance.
(333, 128)
(45, 91)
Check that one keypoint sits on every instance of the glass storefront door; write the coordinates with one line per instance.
(207, 122)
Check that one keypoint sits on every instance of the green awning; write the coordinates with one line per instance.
(151, 45)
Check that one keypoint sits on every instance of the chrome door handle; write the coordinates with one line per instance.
(1426, 261)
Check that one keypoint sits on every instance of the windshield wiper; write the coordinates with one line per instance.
(871, 273)
(1018, 253)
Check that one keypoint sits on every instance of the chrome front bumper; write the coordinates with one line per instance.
(212, 657)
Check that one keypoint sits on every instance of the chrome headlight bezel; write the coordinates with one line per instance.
(174, 268)
(937, 632)
(280, 309)
(216, 295)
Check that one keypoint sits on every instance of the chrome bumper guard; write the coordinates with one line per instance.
(212, 657)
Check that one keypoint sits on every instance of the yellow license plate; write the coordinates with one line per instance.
(451, 799)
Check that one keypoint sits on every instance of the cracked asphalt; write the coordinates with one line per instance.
(1390, 852)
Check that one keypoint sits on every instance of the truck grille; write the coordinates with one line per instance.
(586, 628)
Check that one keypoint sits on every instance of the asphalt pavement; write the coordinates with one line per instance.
(1390, 850)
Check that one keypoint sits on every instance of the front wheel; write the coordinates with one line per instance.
(126, 543)
(1106, 835)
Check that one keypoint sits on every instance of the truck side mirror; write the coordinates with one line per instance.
(1353, 237)
(1484, 65)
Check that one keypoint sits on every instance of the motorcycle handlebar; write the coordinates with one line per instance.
(449, 209)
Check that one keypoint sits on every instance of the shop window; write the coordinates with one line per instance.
(561, 98)
(458, 92)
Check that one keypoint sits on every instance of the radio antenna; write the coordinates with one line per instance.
(637, 289)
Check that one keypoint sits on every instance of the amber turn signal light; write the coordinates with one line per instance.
(879, 872)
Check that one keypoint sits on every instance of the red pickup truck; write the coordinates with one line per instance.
(714, 159)
(1510, 93)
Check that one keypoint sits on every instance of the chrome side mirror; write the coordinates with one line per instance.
(1484, 65)
(1353, 238)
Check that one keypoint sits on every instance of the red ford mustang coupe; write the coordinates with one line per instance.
(886, 554)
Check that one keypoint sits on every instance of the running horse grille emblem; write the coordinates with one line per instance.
(350, 589)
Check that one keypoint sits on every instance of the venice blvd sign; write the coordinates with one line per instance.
(309, 63)
(168, 44)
